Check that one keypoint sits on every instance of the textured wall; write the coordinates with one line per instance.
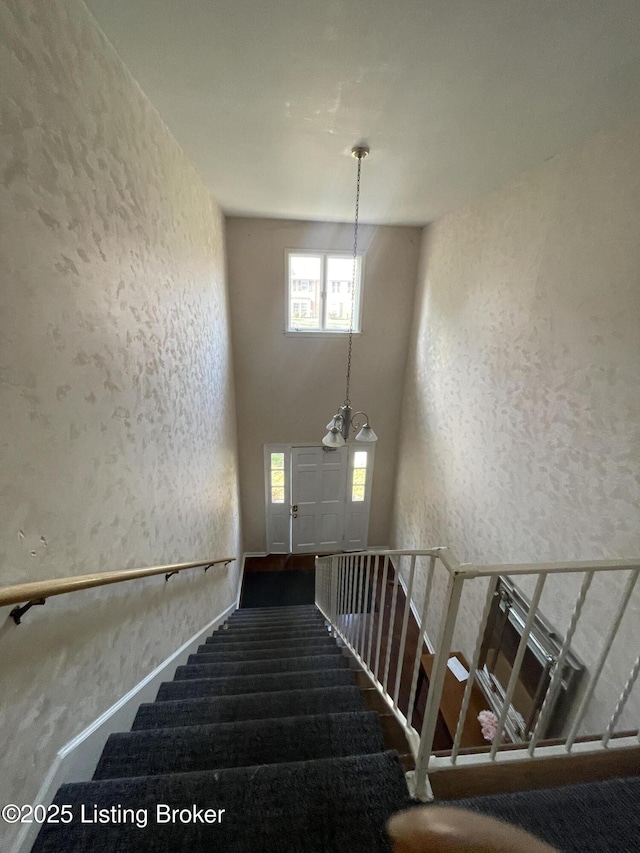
(521, 419)
(116, 391)
(288, 387)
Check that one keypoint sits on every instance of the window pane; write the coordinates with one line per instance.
(339, 269)
(359, 476)
(277, 460)
(360, 459)
(305, 292)
(277, 478)
(277, 495)
(340, 278)
(357, 493)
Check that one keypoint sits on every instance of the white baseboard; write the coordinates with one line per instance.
(77, 760)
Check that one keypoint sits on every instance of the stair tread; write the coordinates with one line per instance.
(266, 630)
(264, 654)
(264, 807)
(279, 608)
(248, 742)
(248, 706)
(278, 643)
(252, 683)
(316, 619)
(235, 668)
(233, 636)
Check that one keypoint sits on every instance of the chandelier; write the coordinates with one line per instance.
(345, 419)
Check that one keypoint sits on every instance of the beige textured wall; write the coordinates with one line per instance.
(288, 388)
(521, 438)
(116, 391)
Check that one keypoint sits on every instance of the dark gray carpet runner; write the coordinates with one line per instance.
(593, 817)
(260, 743)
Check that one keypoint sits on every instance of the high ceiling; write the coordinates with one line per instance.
(454, 96)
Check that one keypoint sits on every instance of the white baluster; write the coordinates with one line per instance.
(622, 701)
(466, 699)
(418, 655)
(556, 681)
(515, 671)
(586, 699)
(403, 634)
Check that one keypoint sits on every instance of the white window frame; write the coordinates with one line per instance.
(323, 254)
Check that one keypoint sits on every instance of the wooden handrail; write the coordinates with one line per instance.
(38, 590)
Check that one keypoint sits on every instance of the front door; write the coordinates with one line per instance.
(318, 492)
(317, 499)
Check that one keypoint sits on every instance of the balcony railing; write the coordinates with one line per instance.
(371, 599)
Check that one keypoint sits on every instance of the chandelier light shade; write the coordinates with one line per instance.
(344, 420)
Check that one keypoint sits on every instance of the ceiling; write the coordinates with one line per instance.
(454, 96)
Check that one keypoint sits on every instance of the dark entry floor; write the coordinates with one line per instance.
(278, 581)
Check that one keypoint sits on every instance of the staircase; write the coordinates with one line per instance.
(262, 742)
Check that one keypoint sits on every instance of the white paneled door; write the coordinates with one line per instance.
(318, 491)
(317, 500)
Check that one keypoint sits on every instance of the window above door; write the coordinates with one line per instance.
(319, 298)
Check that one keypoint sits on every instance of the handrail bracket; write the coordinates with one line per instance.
(18, 612)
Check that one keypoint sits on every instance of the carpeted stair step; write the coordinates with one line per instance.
(290, 610)
(248, 706)
(192, 687)
(275, 615)
(250, 645)
(270, 628)
(199, 668)
(278, 628)
(590, 817)
(219, 655)
(301, 636)
(243, 616)
(325, 806)
(240, 744)
(279, 620)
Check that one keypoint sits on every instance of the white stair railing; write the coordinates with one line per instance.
(368, 596)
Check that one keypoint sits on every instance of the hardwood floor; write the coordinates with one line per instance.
(280, 563)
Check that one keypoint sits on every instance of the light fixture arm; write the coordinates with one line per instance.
(358, 424)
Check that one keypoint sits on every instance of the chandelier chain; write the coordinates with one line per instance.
(347, 401)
